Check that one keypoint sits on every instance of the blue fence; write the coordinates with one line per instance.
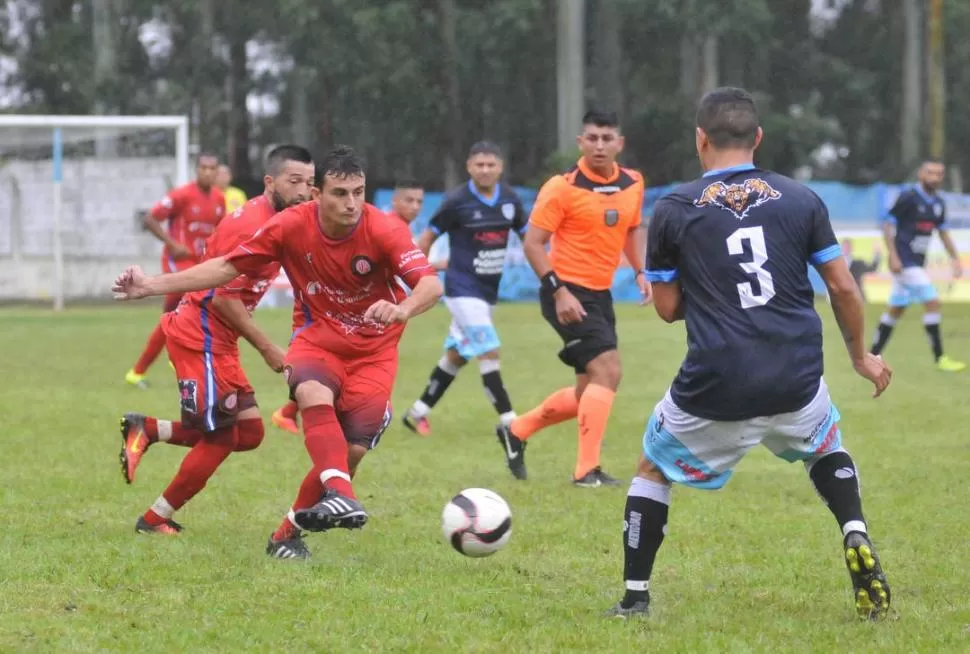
(850, 207)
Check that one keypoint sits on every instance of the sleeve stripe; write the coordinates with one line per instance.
(826, 254)
(411, 270)
(662, 276)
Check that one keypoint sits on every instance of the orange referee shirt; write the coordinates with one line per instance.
(590, 218)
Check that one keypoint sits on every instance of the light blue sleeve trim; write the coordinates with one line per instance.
(825, 255)
(662, 276)
(434, 229)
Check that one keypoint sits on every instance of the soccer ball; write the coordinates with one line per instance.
(477, 522)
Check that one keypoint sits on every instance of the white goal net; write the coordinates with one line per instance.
(72, 193)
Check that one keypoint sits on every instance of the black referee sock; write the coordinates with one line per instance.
(644, 526)
(886, 324)
(837, 482)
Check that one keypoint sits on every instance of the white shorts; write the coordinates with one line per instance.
(912, 286)
(702, 453)
(471, 333)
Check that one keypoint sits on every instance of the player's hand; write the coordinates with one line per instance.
(130, 285)
(569, 311)
(273, 355)
(895, 265)
(646, 290)
(384, 313)
(957, 268)
(873, 368)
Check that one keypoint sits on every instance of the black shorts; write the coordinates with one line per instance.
(590, 338)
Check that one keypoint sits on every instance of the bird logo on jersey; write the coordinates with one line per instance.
(738, 199)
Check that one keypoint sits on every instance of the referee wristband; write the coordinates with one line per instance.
(551, 282)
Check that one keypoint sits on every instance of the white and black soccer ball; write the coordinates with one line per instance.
(477, 522)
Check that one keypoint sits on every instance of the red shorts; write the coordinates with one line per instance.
(361, 387)
(213, 388)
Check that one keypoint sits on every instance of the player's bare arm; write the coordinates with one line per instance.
(849, 314)
(234, 312)
(889, 236)
(568, 309)
(424, 295)
(951, 249)
(635, 250)
(133, 284)
(668, 299)
(178, 250)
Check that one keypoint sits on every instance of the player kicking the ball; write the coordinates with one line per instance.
(341, 255)
(219, 412)
(729, 254)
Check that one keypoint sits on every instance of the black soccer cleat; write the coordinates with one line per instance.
(514, 451)
(596, 478)
(636, 610)
(291, 548)
(167, 528)
(334, 511)
(869, 585)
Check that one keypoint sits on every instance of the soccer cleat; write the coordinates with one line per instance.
(869, 584)
(134, 443)
(946, 364)
(136, 380)
(168, 528)
(514, 451)
(334, 511)
(291, 548)
(639, 609)
(420, 426)
(596, 478)
(284, 423)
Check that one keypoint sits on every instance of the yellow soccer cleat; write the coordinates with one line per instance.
(946, 364)
(136, 380)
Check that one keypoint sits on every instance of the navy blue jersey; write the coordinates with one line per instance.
(478, 234)
(739, 240)
(916, 214)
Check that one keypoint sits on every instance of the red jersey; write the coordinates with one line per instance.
(194, 323)
(336, 281)
(192, 216)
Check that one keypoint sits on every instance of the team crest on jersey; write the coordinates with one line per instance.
(738, 199)
(611, 217)
(314, 288)
(508, 210)
(938, 209)
(189, 395)
(361, 266)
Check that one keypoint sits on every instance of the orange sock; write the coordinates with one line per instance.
(289, 410)
(594, 413)
(559, 406)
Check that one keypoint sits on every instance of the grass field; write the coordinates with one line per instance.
(754, 567)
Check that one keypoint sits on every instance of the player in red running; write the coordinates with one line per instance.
(341, 256)
(192, 212)
(405, 206)
(219, 412)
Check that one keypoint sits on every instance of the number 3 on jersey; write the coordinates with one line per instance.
(755, 236)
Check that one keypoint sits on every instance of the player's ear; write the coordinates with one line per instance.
(269, 183)
(314, 193)
(757, 138)
(700, 140)
(620, 142)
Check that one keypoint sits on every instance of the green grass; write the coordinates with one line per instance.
(754, 567)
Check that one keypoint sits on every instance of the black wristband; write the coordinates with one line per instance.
(551, 282)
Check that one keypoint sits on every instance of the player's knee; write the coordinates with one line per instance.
(313, 393)
(454, 358)
(896, 312)
(647, 470)
(606, 370)
(355, 454)
(249, 434)
(932, 306)
(492, 355)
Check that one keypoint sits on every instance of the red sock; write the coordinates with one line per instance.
(197, 467)
(289, 410)
(154, 347)
(249, 434)
(176, 432)
(286, 530)
(327, 447)
(153, 518)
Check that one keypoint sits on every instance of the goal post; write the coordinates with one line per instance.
(72, 190)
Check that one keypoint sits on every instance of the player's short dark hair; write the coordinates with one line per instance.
(729, 117)
(408, 183)
(485, 147)
(283, 153)
(341, 162)
(601, 118)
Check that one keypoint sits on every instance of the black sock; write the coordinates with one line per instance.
(437, 385)
(886, 325)
(644, 524)
(837, 481)
(495, 389)
(931, 323)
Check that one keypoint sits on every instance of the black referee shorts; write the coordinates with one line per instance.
(586, 340)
